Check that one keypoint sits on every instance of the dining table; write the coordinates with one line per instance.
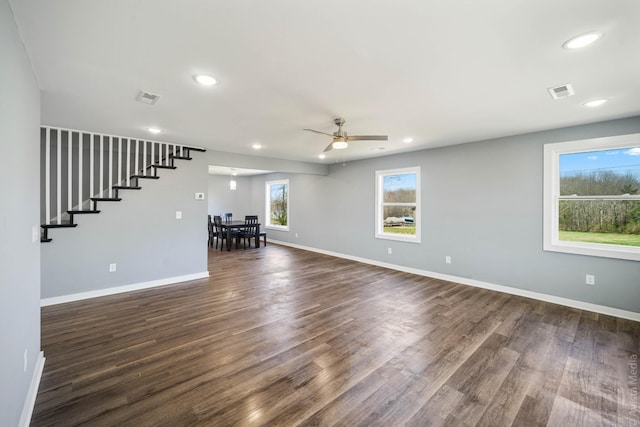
(238, 225)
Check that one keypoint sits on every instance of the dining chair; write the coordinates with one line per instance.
(221, 234)
(262, 233)
(228, 217)
(249, 230)
(212, 232)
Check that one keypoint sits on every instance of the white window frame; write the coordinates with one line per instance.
(268, 224)
(552, 197)
(379, 226)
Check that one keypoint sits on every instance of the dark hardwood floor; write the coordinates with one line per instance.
(280, 336)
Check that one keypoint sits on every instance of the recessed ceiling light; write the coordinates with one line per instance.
(595, 103)
(321, 156)
(581, 41)
(408, 140)
(256, 146)
(204, 79)
(154, 131)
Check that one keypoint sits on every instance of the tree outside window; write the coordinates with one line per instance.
(277, 204)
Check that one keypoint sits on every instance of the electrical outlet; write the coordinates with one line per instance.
(447, 259)
(25, 360)
(34, 233)
(389, 251)
(178, 214)
(112, 268)
(590, 279)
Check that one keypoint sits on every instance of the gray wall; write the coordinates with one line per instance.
(19, 191)
(481, 205)
(222, 199)
(140, 234)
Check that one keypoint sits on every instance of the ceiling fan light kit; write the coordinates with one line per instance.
(340, 144)
(341, 139)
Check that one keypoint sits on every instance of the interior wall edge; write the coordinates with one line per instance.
(30, 401)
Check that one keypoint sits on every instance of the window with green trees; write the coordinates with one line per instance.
(592, 197)
(398, 204)
(277, 204)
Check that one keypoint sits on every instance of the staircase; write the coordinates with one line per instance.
(82, 169)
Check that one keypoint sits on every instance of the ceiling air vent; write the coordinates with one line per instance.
(561, 91)
(147, 97)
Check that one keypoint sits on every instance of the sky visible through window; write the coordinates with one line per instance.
(620, 161)
(405, 181)
(276, 190)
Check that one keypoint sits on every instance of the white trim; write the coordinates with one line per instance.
(602, 309)
(70, 171)
(59, 177)
(121, 289)
(110, 193)
(47, 176)
(32, 393)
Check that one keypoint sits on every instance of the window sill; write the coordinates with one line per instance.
(398, 238)
(276, 227)
(605, 251)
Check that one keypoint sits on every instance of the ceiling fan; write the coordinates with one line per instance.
(341, 139)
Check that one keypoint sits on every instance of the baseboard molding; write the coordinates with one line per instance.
(121, 289)
(602, 309)
(30, 401)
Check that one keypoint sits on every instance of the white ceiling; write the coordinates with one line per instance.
(441, 72)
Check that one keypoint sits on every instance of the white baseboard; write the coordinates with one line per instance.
(30, 401)
(120, 289)
(602, 309)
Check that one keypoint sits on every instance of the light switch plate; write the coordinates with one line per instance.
(178, 214)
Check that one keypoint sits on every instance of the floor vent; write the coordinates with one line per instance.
(561, 91)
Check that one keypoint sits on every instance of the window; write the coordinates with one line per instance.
(398, 204)
(592, 197)
(277, 206)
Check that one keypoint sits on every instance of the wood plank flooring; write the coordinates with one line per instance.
(280, 336)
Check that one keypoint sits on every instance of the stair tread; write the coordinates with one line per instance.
(105, 199)
(45, 240)
(202, 150)
(181, 157)
(64, 225)
(163, 167)
(125, 187)
(145, 176)
(83, 212)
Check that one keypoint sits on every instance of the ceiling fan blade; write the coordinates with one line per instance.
(317, 131)
(329, 148)
(367, 138)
